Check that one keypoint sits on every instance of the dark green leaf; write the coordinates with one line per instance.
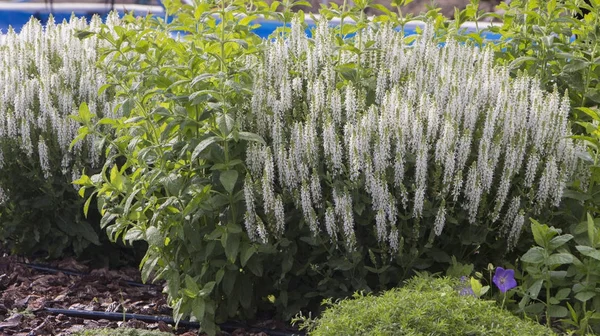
(207, 289)
(229, 179)
(202, 146)
(251, 137)
(535, 255)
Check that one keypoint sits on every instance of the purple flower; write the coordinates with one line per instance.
(465, 289)
(504, 279)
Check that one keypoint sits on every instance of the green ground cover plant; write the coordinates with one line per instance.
(267, 175)
(423, 306)
(46, 74)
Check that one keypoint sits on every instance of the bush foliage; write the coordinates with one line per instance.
(216, 161)
(47, 73)
(423, 306)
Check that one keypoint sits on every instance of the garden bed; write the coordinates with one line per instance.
(27, 292)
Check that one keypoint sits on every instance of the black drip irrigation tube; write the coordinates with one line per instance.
(98, 315)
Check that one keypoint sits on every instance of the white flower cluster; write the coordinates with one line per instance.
(441, 130)
(45, 74)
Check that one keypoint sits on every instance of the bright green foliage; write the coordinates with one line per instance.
(543, 265)
(174, 167)
(544, 39)
(424, 306)
(121, 332)
(561, 276)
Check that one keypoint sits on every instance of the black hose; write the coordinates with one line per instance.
(97, 315)
(229, 326)
(75, 273)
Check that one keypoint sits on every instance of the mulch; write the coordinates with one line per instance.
(26, 292)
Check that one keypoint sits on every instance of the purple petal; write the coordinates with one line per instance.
(504, 279)
(510, 283)
(509, 279)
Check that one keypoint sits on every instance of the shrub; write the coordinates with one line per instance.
(46, 74)
(424, 306)
(430, 140)
(217, 161)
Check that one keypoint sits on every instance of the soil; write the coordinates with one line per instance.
(26, 292)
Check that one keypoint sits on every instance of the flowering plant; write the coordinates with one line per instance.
(422, 136)
(504, 279)
(46, 74)
(298, 168)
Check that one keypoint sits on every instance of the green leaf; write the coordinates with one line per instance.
(576, 195)
(381, 8)
(147, 265)
(219, 276)
(142, 47)
(591, 229)
(229, 282)
(209, 326)
(232, 244)
(536, 308)
(584, 296)
(255, 266)
(198, 308)
(535, 255)
(476, 286)
(134, 234)
(116, 178)
(517, 62)
(560, 259)
(557, 311)
(85, 114)
(539, 232)
(535, 288)
(247, 252)
(176, 314)
(558, 275)
(251, 137)
(225, 123)
(563, 294)
(590, 112)
(575, 65)
(559, 241)
(588, 251)
(234, 228)
(103, 88)
(202, 146)
(191, 284)
(207, 289)
(83, 34)
(201, 78)
(229, 179)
